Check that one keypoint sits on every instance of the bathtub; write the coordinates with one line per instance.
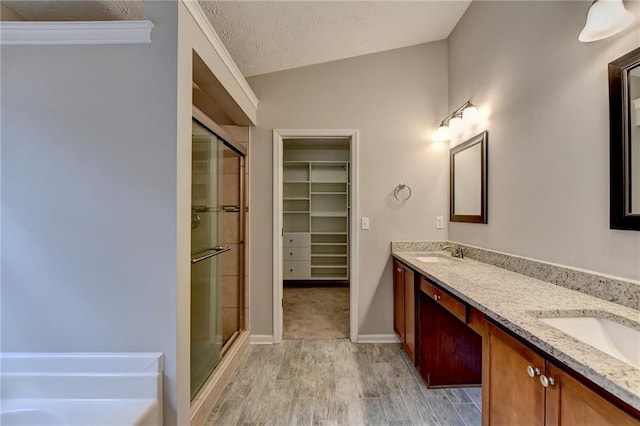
(64, 389)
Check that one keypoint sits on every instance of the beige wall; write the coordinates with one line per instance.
(548, 131)
(395, 99)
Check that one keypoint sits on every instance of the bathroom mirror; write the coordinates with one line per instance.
(468, 180)
(624, 122)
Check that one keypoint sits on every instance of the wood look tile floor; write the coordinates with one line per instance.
(334, 381)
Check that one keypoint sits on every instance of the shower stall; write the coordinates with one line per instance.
(217, 248)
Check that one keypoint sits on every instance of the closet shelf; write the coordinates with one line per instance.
(330, 266)
(328, 214)
(327, 193)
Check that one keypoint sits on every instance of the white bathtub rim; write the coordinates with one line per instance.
(82, 362)
(106, 412)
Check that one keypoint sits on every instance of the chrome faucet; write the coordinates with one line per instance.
(455, 251)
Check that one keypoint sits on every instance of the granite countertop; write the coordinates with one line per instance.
(517, 302)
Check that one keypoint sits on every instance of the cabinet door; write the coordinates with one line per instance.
(409, 314)
(515, 398)
(398, 299)
(569, 402)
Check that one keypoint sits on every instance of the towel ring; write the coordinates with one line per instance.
(400, 194)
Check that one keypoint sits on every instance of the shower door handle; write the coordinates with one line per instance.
(216, 251)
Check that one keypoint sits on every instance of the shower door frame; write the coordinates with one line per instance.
(278, 149)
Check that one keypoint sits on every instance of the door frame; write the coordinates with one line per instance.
(278, 136)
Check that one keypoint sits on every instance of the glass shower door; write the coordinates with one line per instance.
(206, 249)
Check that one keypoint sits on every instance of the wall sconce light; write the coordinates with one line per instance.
(604, 19)
(458, 120)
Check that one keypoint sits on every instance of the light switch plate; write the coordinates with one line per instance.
(439, 222)
(364, 223)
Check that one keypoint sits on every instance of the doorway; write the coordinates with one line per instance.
(315, 250)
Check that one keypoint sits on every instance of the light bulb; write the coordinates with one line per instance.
(443, 134)
(470, 115)
(455, 124)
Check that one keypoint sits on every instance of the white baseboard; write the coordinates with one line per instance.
(378, 338)
(261, 339)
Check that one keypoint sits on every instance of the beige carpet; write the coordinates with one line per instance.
(316, 312)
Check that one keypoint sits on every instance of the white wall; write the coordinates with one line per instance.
(89, 197)
(548, 131)
(395, 98)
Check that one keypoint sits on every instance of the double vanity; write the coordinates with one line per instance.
(544, 354)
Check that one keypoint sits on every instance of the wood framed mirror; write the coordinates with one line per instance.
(468, 180)
(624, 141)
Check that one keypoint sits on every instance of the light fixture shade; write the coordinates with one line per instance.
(604, 19)
(455, 124)
(470, 115)
(443, 134)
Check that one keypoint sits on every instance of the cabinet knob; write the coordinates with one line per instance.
(290, 254)
(290, 270)
(547, 381)
(533, 372)
(436, 297)
(290, 241)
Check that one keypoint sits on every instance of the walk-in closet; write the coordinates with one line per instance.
(315, 248)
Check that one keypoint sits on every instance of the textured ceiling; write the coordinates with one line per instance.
(267, 36)
(69, 10)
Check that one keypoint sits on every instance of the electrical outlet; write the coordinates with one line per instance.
(439, 222)
(364, 223)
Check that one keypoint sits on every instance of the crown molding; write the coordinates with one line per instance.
(203, 22)
(75, 32)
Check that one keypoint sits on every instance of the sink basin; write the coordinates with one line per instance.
(433, 259)
(611, 337)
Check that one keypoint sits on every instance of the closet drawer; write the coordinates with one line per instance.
(296, 253)
(296, 239)
(296, 269)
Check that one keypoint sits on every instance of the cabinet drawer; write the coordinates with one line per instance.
(451, 304)
(296, 253)
(296, 239)
(296, 269)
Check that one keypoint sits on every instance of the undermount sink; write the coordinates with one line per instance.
(433, 259)
(611, 337)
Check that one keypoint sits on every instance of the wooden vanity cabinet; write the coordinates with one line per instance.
(510, 395)
(514, 393)
(450, 353)
(404, 311)
(453, 344)
(570, 402)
